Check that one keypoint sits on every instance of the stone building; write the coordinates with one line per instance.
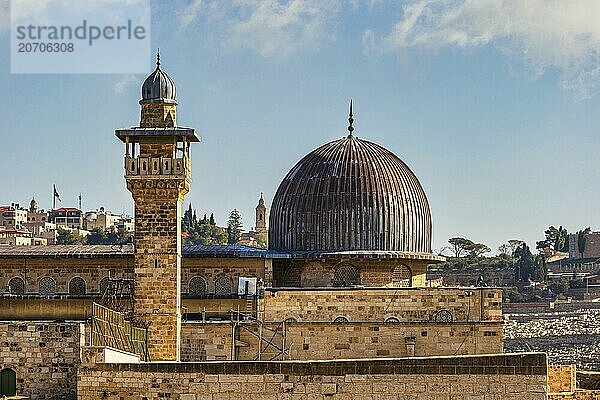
(342, 307)
(12, 216)
(38, 222)
(67, 218)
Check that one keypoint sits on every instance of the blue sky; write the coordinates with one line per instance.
(493, 104)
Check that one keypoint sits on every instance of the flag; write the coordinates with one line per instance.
(56, 195)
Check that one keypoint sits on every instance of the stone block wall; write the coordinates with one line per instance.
(206, 341)
(561, 378)
(211, 269)
(93, 270)
(507, 377)
(377, 305)
(327, 341)
(319, 273)
(62, 270)
(156, 114)
(157, 259)
(45, 356)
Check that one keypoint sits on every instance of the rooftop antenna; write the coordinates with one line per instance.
(351, 121)
(80, 201)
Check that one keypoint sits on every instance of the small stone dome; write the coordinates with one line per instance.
(158, 86)
(350, 194)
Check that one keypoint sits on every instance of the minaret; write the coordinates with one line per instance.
(260, 225)
(158, 175)
(33, 205)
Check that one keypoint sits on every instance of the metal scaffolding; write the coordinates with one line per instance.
(114, 323)
(266, 336)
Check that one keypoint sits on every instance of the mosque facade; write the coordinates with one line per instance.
(338, 306)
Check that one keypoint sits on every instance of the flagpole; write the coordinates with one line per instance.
(53, 197)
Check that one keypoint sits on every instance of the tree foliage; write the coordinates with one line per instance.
(203, 231)
(460, 246)
(508, 249)
(100, 236)
(529, 267)
(234, 227)
(556, 239)
(581, 240)
(65, 236)
(466, 247)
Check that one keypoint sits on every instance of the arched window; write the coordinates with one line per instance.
(402, 276)
(340, 320)
(47, 286)
(290, 320)
(392, 320)
(197, 287)
(77, 286)
(16, 285)
(8, 382)
(345, 276)
(443, 316)
(292, 278)
(223, 286)
(103, 285)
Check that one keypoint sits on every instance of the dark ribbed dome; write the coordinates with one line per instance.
(158, 86)
(350, 194)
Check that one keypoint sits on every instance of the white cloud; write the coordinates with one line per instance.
(190, 13)
(269, 27)
(564, 35)
(122, 83)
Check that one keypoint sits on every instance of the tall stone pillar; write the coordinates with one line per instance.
(158, 175)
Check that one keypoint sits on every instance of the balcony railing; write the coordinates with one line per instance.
(157, 166)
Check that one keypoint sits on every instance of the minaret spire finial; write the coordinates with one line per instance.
(351, 121)
(158, 57)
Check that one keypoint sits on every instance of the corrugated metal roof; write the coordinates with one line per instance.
(361, 254)
(223, 250)
(200, 251)
(67, 251)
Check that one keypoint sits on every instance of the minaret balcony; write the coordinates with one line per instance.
(157, 167)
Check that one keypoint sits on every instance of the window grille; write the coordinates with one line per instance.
(223, 286)
(103, 285)
(292, 277)
(345, 276)
(197, 286)
(47, 286)
(77, 286)
(16, 285)
(443, 316)
(401, 276)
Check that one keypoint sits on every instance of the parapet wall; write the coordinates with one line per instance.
(377, 305)
(509, 377)
(44, 355)
(331, 341)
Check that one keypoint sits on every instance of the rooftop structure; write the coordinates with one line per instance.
(350, 195)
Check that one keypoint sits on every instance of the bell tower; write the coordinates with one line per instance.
(260, 224)
(158, 175)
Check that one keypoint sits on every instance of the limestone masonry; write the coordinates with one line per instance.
(338, 306)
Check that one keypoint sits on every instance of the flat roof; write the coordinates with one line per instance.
(138, 132)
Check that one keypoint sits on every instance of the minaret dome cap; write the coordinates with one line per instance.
(158, 86)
